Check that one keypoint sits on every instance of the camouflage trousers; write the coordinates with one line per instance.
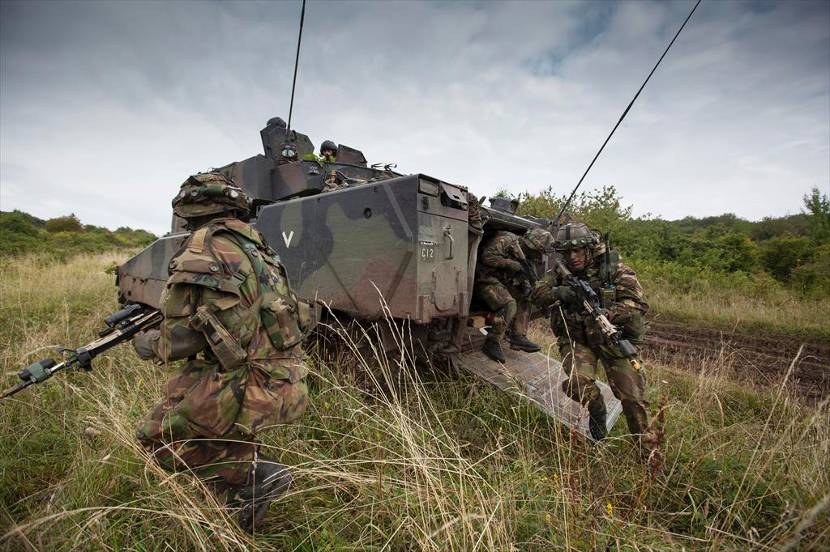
(208, 419)
(500, 301)
(522, 319)
(581, 362)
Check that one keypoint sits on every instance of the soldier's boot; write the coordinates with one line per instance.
(597, 415)
(267, 481)
(522, 343)
(492, 348)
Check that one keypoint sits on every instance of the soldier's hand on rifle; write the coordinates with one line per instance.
(565, 294)
(143, 343)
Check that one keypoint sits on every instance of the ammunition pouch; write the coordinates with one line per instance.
(224, 346)
(281, 323)
(607, 296)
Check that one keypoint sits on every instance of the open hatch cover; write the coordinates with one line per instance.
(539, 378)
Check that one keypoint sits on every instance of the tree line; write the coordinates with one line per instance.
(22, 233)
(791, 251)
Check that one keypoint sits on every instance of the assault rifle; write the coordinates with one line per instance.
(591, 304)
(121, 327)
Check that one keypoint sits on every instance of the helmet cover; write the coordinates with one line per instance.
(538, 240)
(209, 194)
(574, 235)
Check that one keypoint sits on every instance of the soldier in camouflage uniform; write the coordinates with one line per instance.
(580, 342)
(499, 280)
(535, 244)
(228, 310)
(328, 152)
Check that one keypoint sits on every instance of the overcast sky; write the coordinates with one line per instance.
(105, 108)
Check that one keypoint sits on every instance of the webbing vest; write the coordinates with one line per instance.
(276, 304)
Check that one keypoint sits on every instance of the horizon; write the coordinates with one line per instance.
(644, 216)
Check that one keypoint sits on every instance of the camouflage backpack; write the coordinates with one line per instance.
(283, 318)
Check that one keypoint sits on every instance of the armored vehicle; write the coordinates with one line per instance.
(369, 243)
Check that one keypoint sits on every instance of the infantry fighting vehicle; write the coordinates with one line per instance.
(382, 245)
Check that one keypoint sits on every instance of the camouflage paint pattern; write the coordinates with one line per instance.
(404, 238)
(212, 410)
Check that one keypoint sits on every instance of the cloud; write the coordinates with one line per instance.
(106, 107)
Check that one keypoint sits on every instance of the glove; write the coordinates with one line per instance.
(143, 343)
(565, 294)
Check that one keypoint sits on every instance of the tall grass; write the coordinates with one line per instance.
(389, 457)
(733, 300)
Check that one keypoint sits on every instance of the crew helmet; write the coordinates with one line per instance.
(537, 240)
(574, 235)
(278, 121)
(209, 194)
(328, 145)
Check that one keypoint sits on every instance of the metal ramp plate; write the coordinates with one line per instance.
(538, 378)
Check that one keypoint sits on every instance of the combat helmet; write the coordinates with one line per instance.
(209, 194)
(537, 240)
(573, 236)
(328, 145)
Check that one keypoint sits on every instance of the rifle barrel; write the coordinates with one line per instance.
(16, 389)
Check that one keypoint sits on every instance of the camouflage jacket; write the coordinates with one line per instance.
(500, 259)
(620, 293)
(228, 298)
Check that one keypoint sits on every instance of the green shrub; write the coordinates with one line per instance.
(818, 206)
(17, 233)
(21, 233)
(64, 224)
(782, 254)
(813, 278)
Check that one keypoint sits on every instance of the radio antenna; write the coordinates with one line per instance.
(627, 109)
(296, 66)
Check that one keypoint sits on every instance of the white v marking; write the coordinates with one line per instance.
(287, 239)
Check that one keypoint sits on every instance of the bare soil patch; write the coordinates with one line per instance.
(757, 358)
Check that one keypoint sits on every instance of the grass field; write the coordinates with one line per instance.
(443, 463)
(770, 310)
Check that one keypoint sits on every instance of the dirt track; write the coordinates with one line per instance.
(757, 359)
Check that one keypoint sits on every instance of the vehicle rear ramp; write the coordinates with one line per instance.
(538, 378)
